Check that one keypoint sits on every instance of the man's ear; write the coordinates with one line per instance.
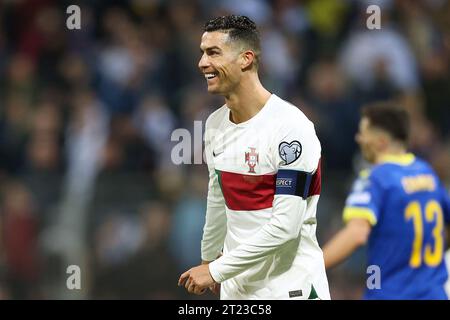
(248, 57)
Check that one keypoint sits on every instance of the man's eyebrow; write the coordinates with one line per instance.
(210, 48)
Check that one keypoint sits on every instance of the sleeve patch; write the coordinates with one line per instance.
(363, 198)
(289, 152)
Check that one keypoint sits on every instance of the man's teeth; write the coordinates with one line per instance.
(209, 75)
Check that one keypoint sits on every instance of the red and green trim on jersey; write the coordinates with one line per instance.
(244, 192)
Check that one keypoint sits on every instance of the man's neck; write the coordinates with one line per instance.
(247, 100)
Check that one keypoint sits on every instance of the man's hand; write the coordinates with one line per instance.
(196, 280)
(215, 287)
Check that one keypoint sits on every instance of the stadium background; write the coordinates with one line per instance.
(86, 176)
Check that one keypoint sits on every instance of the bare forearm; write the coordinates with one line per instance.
(341, 246)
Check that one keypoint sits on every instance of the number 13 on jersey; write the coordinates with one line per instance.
(433, 254)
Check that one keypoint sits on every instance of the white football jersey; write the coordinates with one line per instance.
(261, 207)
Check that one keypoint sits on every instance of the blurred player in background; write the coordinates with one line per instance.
(399, 208)
(263, 157)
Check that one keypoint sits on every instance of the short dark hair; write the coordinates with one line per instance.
(389, 117)
(239, 28)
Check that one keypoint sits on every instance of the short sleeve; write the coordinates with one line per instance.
(364, 199)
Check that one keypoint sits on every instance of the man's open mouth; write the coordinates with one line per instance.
(210, 76)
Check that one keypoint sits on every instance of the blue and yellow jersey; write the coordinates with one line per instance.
(408, 208)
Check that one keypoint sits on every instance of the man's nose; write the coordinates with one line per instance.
(203, 63)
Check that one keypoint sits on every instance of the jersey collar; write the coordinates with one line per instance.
(252, 119)
(403, 159)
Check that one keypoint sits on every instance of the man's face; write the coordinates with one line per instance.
(369, 139)
(220, 62)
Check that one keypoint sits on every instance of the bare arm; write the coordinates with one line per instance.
(346, 241)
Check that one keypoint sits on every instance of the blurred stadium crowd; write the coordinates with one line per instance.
(86, 116)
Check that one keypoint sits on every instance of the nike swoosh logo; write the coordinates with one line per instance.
(215, 154)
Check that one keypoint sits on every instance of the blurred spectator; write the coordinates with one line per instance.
(86, 134)
(436, 81)
(19, 234)
(334, 111)
(20, 79)
(278, 60)
(153, 265)
(14, 126)
(131, 256)
(258, 11)
(441, 163)
(291, 15)
(188, 220)
(375, 57)
(75, 72)
(155, 122)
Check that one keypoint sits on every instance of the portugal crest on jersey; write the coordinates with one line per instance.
(252, 159)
